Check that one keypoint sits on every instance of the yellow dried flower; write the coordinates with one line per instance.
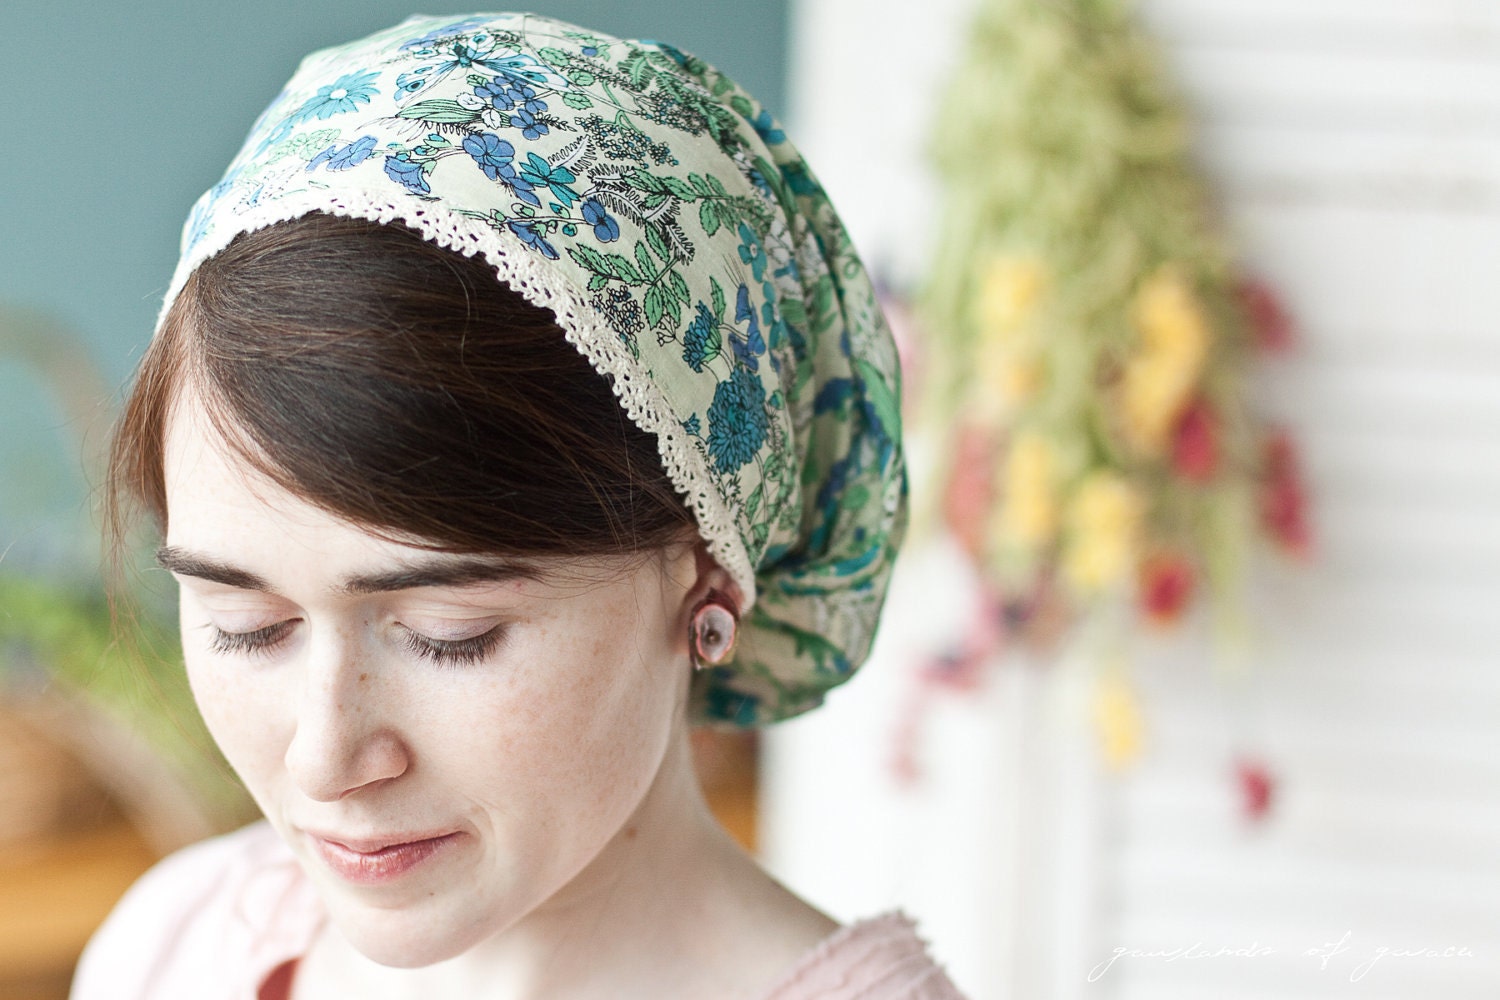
(1009, 290)
(1154, 392)
(1159, 380)
(1118, 718)
(1169, 319)
(1104, 521)
(1028, 511)
(1008, 375)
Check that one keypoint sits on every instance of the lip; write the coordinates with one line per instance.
(377, 860)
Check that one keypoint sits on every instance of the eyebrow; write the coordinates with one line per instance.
(434, 572)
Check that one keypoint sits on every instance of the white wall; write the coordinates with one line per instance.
(1356, 144)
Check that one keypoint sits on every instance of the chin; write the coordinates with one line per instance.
(411, 937)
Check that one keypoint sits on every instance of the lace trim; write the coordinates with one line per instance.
(542, 286)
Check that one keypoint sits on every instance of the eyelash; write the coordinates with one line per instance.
(453, 652)
(260, 640)
(445, 652)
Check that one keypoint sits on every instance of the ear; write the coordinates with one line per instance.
(712, 579)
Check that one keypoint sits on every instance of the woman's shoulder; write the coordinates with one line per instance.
(877, 959)
(212, 913)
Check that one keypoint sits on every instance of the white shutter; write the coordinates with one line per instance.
(1356, 146)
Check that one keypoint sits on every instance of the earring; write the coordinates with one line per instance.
(713, 632)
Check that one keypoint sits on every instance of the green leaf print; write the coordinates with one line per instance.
(655, 305)
(443, 112)
(681, 188)
(643, 260)
(881, 397)
(717, 294)
(622, 269)
(659, 244)
(678, 287)
(708, 217)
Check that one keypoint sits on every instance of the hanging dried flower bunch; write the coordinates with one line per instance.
(1090, 333)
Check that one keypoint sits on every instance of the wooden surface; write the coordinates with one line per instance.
(53, 893)
(728, 767)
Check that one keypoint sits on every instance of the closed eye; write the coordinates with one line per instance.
(453, 652)
(259, 640)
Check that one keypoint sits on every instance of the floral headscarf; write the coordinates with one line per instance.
(686, 250)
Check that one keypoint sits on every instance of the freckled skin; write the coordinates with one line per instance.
(559, 759)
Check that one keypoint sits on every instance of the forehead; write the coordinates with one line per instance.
(222, 509)
(218, 502)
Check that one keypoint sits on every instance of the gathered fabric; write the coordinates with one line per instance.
(685, 248)
(231, 919)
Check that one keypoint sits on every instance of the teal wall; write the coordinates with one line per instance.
(115, 116)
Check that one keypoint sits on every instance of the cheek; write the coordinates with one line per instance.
(588, 721)
(243, 715)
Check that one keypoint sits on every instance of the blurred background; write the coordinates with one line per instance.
(1301, 803)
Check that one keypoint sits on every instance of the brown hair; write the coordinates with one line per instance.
(400, 386)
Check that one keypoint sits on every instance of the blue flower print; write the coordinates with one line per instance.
(527, 123)
(764, 125)
(729, 704)
(519, 185)
(344, 157)
(353, 154)
(678, 56)
(460, 50)
(749, 348)
(503, 94)
(606, 229)
(407, 172)
(736, 421)
(446, 31)
(691, 425)
(523, 70)
(778, 331)
(751, 252)
(498, 92)
(344, 94)
(526, 230)
(590, 50)
(759, 180)
(526, 98)
(700, 343)
(492, 153)
(538, 173)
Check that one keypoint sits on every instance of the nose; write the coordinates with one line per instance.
(345, 738)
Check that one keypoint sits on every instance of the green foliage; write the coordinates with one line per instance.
(134, 675)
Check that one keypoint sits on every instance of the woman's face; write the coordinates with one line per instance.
(446, 743)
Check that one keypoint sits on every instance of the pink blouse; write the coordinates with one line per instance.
(225, 920)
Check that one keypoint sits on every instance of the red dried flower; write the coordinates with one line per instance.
(1269, 320)
(971, 488)
(1166, 587)
(1195, 447)
(1283, 502)
(1257, 788)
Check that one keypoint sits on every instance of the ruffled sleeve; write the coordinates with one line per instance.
(877, 959)
(210, 922)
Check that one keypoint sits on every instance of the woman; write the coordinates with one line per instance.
(461, 559)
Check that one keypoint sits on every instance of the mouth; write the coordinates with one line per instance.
(373, 861)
